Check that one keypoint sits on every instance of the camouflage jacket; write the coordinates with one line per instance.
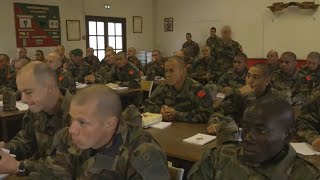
(127, 76)
(104, 74)
(310, 80)
(8, 78)
(65, 80)
(289, 86)
(153, 69)
(192, 103)
(80, 72)
(225, 53)
(308, 122)
(133, 155)
(33, 142)
(135, 61)
(212, 42)
(233, 80)
(203, 67)
(94, 63)
(274, 67)
(65, 60)
(192, 48)
(226, 162)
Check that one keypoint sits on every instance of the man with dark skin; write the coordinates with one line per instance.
(39, 56)
(273, 60)
(265, 152)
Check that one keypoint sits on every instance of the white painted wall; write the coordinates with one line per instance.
(253, 24)
(76, 10)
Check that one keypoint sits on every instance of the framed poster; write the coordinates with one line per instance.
(73, 30)
(168, 24)
(137, 24)
(37, 25)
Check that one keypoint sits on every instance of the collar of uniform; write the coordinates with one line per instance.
(293, 76)
(185, 89)
(268, 90)
(242, 74)
(59, 70)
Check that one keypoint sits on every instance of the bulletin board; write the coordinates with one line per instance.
(37, 25)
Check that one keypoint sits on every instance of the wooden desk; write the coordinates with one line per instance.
(171, 138)
(5, 117)
(128, 91)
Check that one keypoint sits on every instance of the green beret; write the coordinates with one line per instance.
(77, 52)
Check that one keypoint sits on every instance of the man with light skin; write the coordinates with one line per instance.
(132, 57)
(22, 53)
(273, 60)
(92, 60)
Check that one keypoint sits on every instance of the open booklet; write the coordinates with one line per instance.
(200, 139)
(304, 149)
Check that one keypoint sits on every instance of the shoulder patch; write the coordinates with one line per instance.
(60, 78)
(308, 78)
(201, 94)
(131, 72)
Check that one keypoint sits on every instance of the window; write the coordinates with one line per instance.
(106, 31)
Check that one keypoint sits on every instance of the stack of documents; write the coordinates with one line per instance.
(304, 149)
(161, 125)
(80, 85)
(150, 118)
(200, 139)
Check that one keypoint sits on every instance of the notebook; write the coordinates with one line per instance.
(304, 149)
(150, 118)
(200, 139)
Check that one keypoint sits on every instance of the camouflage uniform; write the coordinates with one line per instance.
(135, 61)
(192, 103)
(226, 162)
(233, 80)
(133, 155)
(103, 62)
(192, 48)
(8, 78)
(203, 67)
(310, 80)
(289, 86)
(80, 72)
(33, 142)
(274, 67)
(127, 76)
(65, 60)
(212, 42)
(153, 69)
(308, 122)
(104, 74)
(65, 80)
(94, 63)
(225, 53)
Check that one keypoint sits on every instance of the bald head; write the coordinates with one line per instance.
(20, 63)
(54, 61)
(178, 60)
(131, 52)
(107, 102)
(22, 52)
(180, 53)
(89, 52)
(272, 57)
(60, 50)
(226, 33)
(4, 61)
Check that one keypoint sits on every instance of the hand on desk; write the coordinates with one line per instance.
(89, 79)
(8, 164)
(316, 144)
(212, 129)
(168, 113)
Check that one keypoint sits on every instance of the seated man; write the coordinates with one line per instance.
(287, 80)
(213, 40)
(265, 151)
(47, 114)
(182, 98)
(273, 60)
(104, 74)
(191, 47)
(92, 60)
(236, 77)
(155, 67)
(234, 104)
(22, 53)
(205, 66)
(132, 57)
(189, 61)
(125, 74)
(82, 69)
(7, 73)
(100, 145)
(308, 122)
(64, 77)
(39, 56)
(61, 51)
(310, 73)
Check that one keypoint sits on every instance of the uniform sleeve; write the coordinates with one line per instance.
(155, 101)
(133, 79)
(149, 162)
(300, 90)
(103, 77)
(83, 73)
(68, 82)
(223, 81)
(203, 169)
(24, 144)
(308, 122)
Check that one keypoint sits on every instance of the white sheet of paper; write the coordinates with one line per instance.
(3, 176)
(120, 88)
(304, 149)
(161, 125)
(80, 86)
(21, 106)
(1, 103)
(200, 139)
(220, 95)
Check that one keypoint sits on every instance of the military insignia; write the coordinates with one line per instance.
(8, 76)
(308, 78)
(60, 78)
(201, 93)
(131, 72)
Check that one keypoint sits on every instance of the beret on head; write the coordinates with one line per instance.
(77, 52)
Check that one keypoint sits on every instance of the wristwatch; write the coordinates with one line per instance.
(21, 169)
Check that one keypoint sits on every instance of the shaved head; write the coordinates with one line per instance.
(180, 62)
(54, 60)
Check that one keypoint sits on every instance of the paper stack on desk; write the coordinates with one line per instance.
(22, 106)
(161, 125)
(80, 85)
(116, 87)
(304, 149)
(150, 118)
(200, 139)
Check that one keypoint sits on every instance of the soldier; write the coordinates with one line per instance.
(125, 74)
(61, 51)
(206, 66)
(104, 74)
(235, 77)
(192, 47)
(189, 61)
(155, 67)
(7, 73)
(265, 151)
(308, 122)
(226, 49)
(213, 40)
(19, 64)
(22, 53)
(39, 55)
(64, 77)
(100, 145)
(104, 60)
(48, 113)
(132, 57)
(182, 98)
(310, 73)
(273, 60)
(92, 60)
(234, 104)
(82, 69)
(287, 80)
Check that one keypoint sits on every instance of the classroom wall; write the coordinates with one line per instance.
(76, 10)
(253, 24)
